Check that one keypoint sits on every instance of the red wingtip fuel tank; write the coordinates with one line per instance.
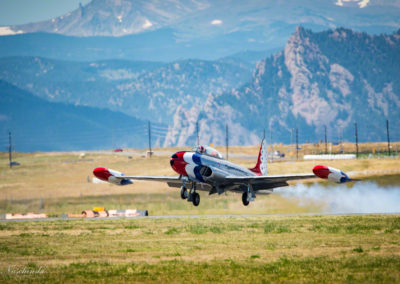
(102, 173)
(111, 176)
(331, 174)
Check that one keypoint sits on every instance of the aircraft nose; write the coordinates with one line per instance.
(172, 160)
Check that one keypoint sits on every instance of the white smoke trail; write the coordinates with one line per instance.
(363, 197)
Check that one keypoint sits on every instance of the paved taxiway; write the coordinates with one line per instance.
(201, 216)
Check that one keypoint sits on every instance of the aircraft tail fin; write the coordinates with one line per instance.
(261, 165)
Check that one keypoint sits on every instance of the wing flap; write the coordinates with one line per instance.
(268, 179)
(151, 178)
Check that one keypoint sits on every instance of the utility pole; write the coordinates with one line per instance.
(227, 141)
(297, 144)
(388, 137)
(355, 126)
(149, 126)
(9, 149)
(326, 142)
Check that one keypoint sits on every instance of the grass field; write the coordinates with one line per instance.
(252, 250)
(221, 249)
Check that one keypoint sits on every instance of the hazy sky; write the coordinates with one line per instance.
(14, 12)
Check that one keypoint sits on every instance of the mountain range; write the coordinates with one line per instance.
(328, 79)
(245, 65)
(149, 90)
(320, 79)
(174, 30)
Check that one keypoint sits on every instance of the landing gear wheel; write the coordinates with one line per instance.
(244, 199)
(196, 199)
(184, 193)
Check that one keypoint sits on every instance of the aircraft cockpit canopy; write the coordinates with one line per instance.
(209, 151)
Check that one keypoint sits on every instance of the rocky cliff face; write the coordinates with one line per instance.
(333, 78)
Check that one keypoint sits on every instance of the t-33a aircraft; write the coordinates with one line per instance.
(205, 169)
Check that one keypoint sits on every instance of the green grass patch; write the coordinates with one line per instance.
(281, 249)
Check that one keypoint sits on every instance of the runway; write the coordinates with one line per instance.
(198, 216)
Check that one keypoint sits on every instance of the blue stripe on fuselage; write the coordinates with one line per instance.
(196, 159)
(196, 171)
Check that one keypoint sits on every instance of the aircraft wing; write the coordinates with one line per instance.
(267, 182)
(151, 178)
(271, 178)
(122, 179)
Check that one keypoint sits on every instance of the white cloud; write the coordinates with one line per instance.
(216, 22)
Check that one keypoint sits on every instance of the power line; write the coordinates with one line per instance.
(85, 133)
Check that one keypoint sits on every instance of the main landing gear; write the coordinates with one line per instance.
(192, 195)
(244, 198)
(248, 195)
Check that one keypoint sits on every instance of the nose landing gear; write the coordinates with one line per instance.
(184, 192)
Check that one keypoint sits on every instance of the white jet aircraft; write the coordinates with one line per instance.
(205, 169)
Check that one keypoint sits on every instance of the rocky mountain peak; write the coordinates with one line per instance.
(316, 81)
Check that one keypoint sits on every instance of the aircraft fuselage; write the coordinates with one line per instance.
(207, 169)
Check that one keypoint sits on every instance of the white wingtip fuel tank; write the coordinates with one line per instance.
(111, 176)
(331, 174)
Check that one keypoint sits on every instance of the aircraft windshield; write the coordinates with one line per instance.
(209, 151)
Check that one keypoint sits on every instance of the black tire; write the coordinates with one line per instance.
(184, 193)
(244, 199)
(196, 199)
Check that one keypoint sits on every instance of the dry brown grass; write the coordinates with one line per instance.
(56, 175)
